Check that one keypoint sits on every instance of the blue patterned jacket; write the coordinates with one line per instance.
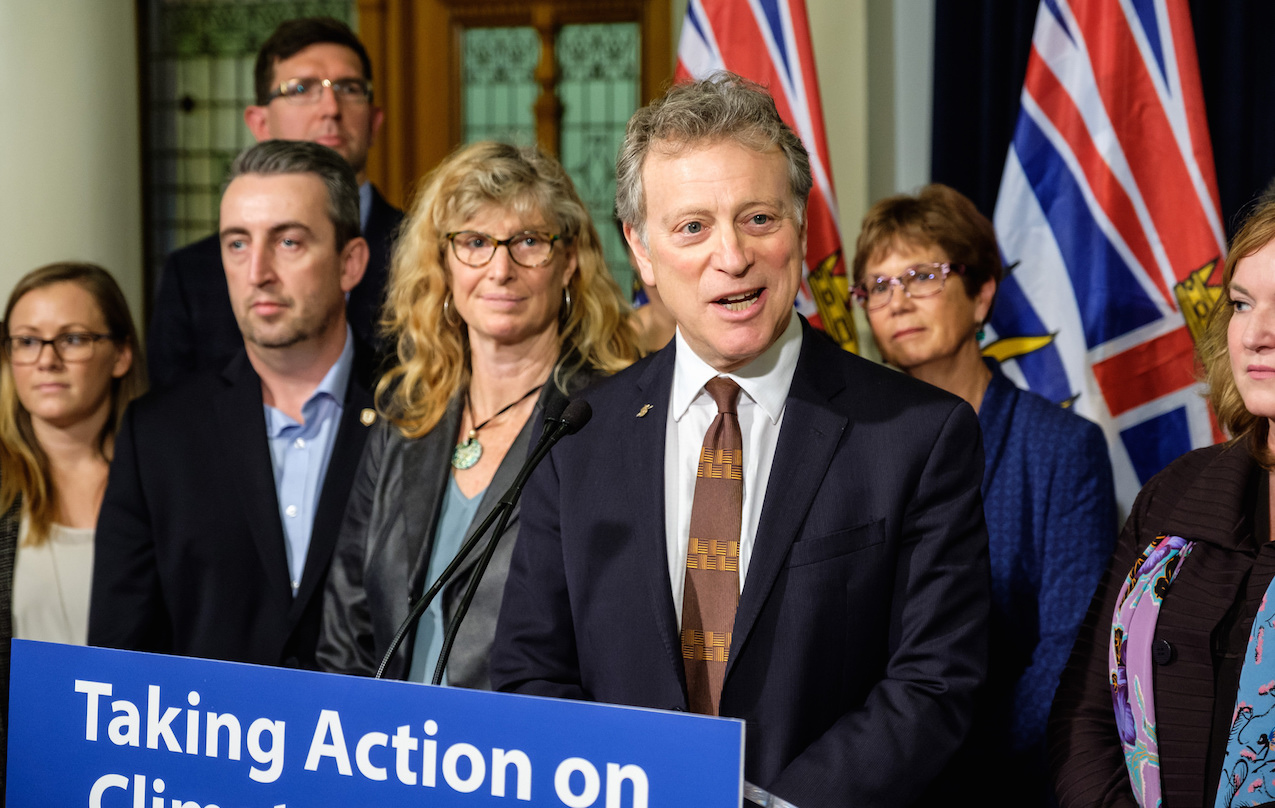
(1051, 522)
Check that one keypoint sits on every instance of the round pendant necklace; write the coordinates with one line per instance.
(468, 452)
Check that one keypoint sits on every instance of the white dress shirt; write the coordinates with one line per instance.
(764, 384)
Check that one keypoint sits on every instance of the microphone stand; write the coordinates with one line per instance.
(557, 426)
(576, 416)
(419, 607)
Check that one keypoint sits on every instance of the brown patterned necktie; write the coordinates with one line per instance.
(712, 558)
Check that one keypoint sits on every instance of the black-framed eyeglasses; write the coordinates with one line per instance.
(72, 347)
(530, 248)
(303, 92)
(918, 280)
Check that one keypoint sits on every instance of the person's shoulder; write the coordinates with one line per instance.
(203, 252)
(871, 388)
(1052, 423)
(183, 402)
(1198, 482)
(1206, 461)
(383, 213)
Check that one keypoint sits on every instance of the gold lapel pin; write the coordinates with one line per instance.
(645, 409)
(368, 416)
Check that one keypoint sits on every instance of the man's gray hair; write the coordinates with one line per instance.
(723, 106)
(273, 157)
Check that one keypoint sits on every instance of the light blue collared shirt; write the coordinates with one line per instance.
(300, 453)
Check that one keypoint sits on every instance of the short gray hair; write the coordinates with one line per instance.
(723, 106)
(273, 157)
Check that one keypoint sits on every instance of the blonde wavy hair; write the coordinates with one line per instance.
(24, 467)
(1212, 350)
(433, 349)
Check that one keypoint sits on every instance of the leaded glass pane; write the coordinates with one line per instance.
(499, 84)
(200, 56)
(599, 72)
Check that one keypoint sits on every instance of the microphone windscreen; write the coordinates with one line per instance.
(576, 415)
(553, 410)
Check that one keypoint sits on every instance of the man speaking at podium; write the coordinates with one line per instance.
(755, 523)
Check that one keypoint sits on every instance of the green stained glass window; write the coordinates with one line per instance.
(500, 85)
(598, 85)
(599, 75)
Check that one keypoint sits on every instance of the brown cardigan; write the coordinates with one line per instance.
(1208, 496)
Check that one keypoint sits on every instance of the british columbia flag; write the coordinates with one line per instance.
(1108, 210)
(768, 41)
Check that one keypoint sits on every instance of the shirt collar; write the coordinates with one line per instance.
(365, 205)
(331, 387)
(765, 380)
(338, 376)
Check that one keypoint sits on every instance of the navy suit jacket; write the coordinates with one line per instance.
(193, 328)
(189, 552)
(861, 631)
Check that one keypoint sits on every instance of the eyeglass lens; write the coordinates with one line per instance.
(25, 350)
(308, 91)
(923, 280)
(528, 249)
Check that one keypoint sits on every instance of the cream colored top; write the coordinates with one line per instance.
(51, 586)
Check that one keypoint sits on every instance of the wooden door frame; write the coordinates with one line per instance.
(415, 46)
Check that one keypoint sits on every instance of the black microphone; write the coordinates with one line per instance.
(562, 418)
(570, 420)
(573, 418)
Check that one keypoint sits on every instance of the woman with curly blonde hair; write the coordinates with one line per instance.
(499, 301)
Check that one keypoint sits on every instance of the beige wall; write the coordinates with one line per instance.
(70, 177)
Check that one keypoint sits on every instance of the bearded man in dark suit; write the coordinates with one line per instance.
(851, 632)
(313, 81)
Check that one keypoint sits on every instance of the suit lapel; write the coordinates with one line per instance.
(241, 420)
(644, 441)
(426, 471)
(812, 432)
(347, 449)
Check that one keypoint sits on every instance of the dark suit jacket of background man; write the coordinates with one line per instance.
(860, 634)
(189, 551)
(193, 327)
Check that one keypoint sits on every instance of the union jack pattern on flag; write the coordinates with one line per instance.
(1108, 207)
(768, 41)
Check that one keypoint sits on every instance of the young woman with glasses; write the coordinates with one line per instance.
(71, 363)
(499, 301)
(926, 269)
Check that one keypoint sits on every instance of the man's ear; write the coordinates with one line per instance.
(258, 124)
(353, 263)
(641, 255)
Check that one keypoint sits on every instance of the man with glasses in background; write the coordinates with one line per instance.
(313, 81)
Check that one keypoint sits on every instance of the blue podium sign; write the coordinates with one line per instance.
(117, 729)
